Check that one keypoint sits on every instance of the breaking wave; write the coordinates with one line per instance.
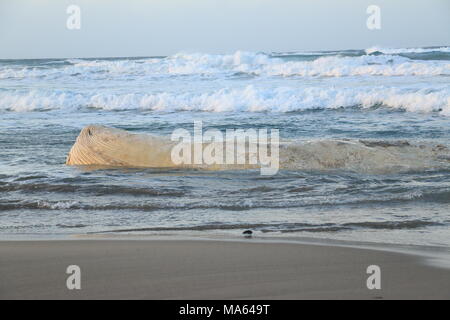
(388, 63)
(249, 99)
(407, 50)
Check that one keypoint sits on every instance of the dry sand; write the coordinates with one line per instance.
(159, 269)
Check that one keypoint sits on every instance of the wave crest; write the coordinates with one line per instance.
(247, 99)
(240, 62)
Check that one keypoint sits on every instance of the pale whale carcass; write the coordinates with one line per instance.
(99, 145)
(104, 146)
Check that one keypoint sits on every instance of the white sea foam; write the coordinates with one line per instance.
(363, 156)
(153, 84)
(40, 100)
(407, 50)
(257, 64)
(250, 99)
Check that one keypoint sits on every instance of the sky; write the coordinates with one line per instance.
(125, 28)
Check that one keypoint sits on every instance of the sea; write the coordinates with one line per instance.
(371, 130)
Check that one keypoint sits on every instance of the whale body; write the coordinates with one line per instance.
(99, 145)
(105, 146)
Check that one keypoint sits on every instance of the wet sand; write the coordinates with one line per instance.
(175, 269)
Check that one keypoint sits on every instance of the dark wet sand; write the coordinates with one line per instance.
(159, 269)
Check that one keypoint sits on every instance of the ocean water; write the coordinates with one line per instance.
(369, 131)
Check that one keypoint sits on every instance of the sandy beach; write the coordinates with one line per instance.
(191, 151)
(175, 269)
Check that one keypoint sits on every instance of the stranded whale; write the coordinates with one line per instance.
(104, 146)
(99, 145)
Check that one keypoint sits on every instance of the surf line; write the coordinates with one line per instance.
(252, 147)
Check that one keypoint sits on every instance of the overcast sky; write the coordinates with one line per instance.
(37, 28)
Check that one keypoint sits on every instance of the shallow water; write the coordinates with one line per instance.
(399, 97)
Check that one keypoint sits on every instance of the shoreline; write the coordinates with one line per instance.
(436, 256)
(213, 269)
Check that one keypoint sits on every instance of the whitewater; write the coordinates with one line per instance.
(365, 144)
(243, 81)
